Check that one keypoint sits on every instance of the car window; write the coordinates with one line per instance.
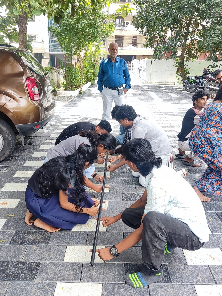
(31, 63)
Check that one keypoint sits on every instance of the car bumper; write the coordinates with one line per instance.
(30, 128)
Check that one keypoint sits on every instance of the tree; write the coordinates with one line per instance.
(75, 33)
(187, 27)
(18, 13)
(22, 10)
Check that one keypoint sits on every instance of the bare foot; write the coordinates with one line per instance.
(28, 216)
(181, 151)
(201, 196)
(40, 224)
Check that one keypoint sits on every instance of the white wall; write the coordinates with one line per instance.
(164, 71)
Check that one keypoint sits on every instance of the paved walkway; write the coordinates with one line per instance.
(34, 262)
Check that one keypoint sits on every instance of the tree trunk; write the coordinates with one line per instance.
(81, 68)
(22, 25)
(183, 50)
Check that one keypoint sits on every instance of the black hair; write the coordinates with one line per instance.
(113, 112)
(199, 94)
(104, 124)
(219, 95)
(216, 72)
(108, 140)
(55, 174)
(125, 111)
(139, 152)
(91, 136)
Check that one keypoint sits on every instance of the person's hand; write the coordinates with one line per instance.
(102, 155)
(98, 188)
(92, 211)
(113, 159)
(100, 160)
(107, 221)
(111, 168)
(125, 90)
(96, 202)
(98, 178)
(104, 254)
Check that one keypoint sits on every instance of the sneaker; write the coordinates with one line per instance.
(168, 249)
(143, 277)
(135, 174)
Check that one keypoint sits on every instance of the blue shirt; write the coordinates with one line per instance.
(113, 74)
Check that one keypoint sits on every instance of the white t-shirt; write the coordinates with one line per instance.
(170, 194)
(145, 128)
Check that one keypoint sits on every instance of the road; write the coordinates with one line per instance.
(35, 262)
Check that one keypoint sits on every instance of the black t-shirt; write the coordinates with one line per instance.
(187, 125)
(74, 129)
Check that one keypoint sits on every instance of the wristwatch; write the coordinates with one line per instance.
(114, 251)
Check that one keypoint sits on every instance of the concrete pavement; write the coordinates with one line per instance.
(33, 261)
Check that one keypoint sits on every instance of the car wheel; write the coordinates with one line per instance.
(7, 140)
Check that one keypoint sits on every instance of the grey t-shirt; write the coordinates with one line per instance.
(145, 128)
(67, 147)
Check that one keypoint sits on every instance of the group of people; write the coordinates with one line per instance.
(169, 214)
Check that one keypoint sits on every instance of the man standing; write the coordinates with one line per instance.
(113, 74)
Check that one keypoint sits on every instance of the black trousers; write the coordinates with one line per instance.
(132, 217)
(159, 230)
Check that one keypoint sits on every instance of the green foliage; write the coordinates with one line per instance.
(190, 27)
(8, 27)
(124, 10)
(75, 32)
(90, 60)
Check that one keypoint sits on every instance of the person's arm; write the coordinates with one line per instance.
(88, 183)
(132, 239)
(100, 77)
(113, 159)
(66, 205)
(127, 78)
(107, 221)
(114, 167)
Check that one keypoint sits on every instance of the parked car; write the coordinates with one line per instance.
(26, 98)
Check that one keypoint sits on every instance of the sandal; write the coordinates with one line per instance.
(179, 156)
(192, 164)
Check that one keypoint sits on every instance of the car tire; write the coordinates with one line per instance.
(7, 140)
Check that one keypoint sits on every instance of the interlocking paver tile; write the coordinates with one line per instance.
(12, 252)
(204, 256)
(31, 288)
(122, 289)
(203, 290)
(78, 289)
(44, 253)
(60, 272)
(172, 290)
(19, 271)
(103, 273)
(30, 238)
(68, 238)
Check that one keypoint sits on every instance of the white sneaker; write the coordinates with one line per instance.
(136, 174)
(142, 180)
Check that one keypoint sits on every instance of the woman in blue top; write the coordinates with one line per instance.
(50, 198)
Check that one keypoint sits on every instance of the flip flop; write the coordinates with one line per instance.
(179, 156)
(192, 164)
